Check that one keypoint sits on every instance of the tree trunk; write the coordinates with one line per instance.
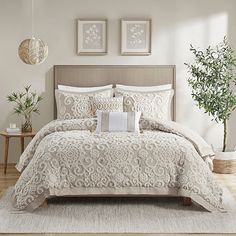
(225, 135)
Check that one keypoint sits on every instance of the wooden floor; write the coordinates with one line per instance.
(12, 176)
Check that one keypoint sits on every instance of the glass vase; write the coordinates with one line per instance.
(26, 126)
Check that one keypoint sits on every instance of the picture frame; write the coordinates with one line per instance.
(92, 37)
(136, 37)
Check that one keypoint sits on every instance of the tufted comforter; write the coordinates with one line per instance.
(67, 158)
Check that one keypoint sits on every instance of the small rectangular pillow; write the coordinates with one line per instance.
(151, 104)
(118, 121)
(77, 105)
(108, 104)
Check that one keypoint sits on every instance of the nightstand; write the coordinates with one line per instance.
(7, 137)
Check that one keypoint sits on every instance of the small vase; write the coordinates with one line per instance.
(26, 126)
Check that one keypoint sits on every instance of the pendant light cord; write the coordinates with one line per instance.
(32, 18)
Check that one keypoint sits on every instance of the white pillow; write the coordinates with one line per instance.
(118, 121)
(151, 104)
(144, 88)
(82, 89)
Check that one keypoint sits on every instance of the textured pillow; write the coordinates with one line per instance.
(108, 104)
(82, 89)
(144, 88)
(151, 104)
(77, 105)
(118, 121)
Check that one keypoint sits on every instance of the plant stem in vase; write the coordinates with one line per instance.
(27, 124)
(26, 103)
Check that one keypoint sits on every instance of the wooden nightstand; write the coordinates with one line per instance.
(7, 137)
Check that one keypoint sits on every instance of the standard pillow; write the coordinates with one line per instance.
(118, 121)
(82, 89)
(151, 104)
(77, 105)
(108, 104)
(144, 88)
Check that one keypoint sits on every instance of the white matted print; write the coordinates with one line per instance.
(135, 37)
(92, 37)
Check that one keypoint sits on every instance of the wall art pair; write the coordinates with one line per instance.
(135, 37)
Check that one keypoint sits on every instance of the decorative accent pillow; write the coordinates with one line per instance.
(118, 121)
(151, 104)
(108, 104)
(77, 105)
(66, 88)
(144, 88)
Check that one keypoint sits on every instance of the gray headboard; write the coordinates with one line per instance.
(100, 75)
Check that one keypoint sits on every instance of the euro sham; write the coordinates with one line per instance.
(77, 105)
(144, 88)
(151, 104)
(66, 88)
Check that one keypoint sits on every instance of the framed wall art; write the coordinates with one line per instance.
(136, 37)
(92, 37)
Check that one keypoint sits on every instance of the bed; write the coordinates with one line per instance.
(69, 158)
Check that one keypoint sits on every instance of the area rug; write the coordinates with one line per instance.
(117, 215)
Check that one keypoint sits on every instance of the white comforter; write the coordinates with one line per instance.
(66, 158)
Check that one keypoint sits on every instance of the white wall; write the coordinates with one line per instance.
(176, 24)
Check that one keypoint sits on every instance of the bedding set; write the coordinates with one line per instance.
(121, 145)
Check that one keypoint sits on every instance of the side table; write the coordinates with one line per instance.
(7, 137)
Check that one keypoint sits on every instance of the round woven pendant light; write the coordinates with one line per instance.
(33, 51)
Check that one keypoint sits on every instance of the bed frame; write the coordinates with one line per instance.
(100, 75)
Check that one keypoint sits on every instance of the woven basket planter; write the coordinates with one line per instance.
(225, 163)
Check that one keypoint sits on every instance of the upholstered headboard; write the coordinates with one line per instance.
(100, 75)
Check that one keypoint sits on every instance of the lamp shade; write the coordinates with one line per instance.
(33, 51)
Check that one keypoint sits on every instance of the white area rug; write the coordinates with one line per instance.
(118, 215)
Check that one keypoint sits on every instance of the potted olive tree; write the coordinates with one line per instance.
(26, 103)
(212, 81)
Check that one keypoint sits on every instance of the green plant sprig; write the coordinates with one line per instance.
(26, 102)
